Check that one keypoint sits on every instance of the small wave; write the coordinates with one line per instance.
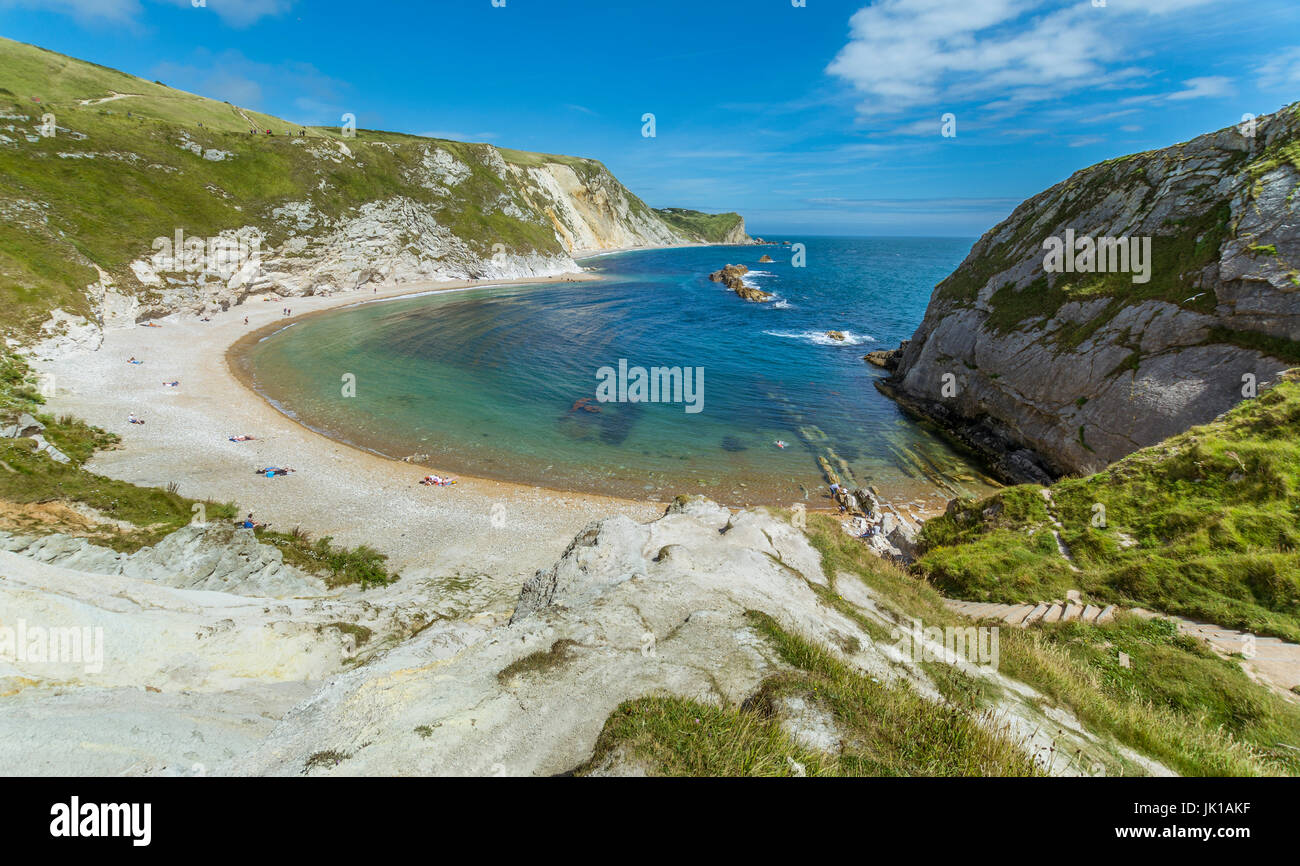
(819, 338)
(782, 305)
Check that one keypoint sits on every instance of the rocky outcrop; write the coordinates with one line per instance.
(733, 277)
(887, 359)
(764, 259)
(1049, 365)
(393, 682)
(215, 557)
(630, 610)
(29, 428)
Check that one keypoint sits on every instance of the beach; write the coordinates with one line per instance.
(493, 533)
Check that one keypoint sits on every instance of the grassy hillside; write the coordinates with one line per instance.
(133, 160)
(1205, 524)
(711, 228)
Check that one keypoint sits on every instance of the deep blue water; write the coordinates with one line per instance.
(489, 381)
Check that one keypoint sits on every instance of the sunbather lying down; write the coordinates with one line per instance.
(133, 419)
(436, 481)
(242, 439)
(272, 471)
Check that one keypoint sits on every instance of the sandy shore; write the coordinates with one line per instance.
(357, 497)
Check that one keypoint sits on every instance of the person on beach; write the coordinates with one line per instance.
(132, 419)
(245, 320)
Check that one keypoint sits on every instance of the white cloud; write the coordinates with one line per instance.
(232, 77)
(1203, 87)
(1280, 72)
(85, 11)
(238, 13)
(913, 54)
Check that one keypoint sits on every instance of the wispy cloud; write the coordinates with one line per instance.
(84, 11)
(1203, 87)
(1281, 71)
(233, 13)
(233, 77)
(918, 54)
(238, 13)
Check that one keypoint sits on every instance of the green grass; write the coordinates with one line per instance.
(339, 566)
(560, 652)
(704, 227)
(888, 729)
(114, 178)
(1206, 524)
(1177, 702)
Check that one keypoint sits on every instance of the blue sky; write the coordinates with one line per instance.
(824, 118)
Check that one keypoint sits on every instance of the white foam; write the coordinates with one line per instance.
(819, 338)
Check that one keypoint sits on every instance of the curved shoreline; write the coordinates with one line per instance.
(236, 352)
(492, 533)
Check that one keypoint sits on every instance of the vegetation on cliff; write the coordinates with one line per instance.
(1205, 524)
(96, 164)
(710, 228)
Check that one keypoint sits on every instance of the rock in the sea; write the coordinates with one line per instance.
(836, 335)
(764, 259)
(732, 276)
(886, 358)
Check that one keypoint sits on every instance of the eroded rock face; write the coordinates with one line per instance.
(629, 610)
(214, 557)
(1067, 372)
(394, 681)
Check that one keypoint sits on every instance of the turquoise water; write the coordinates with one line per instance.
(501, 382)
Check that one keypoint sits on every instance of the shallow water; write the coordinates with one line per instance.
(502, 382)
